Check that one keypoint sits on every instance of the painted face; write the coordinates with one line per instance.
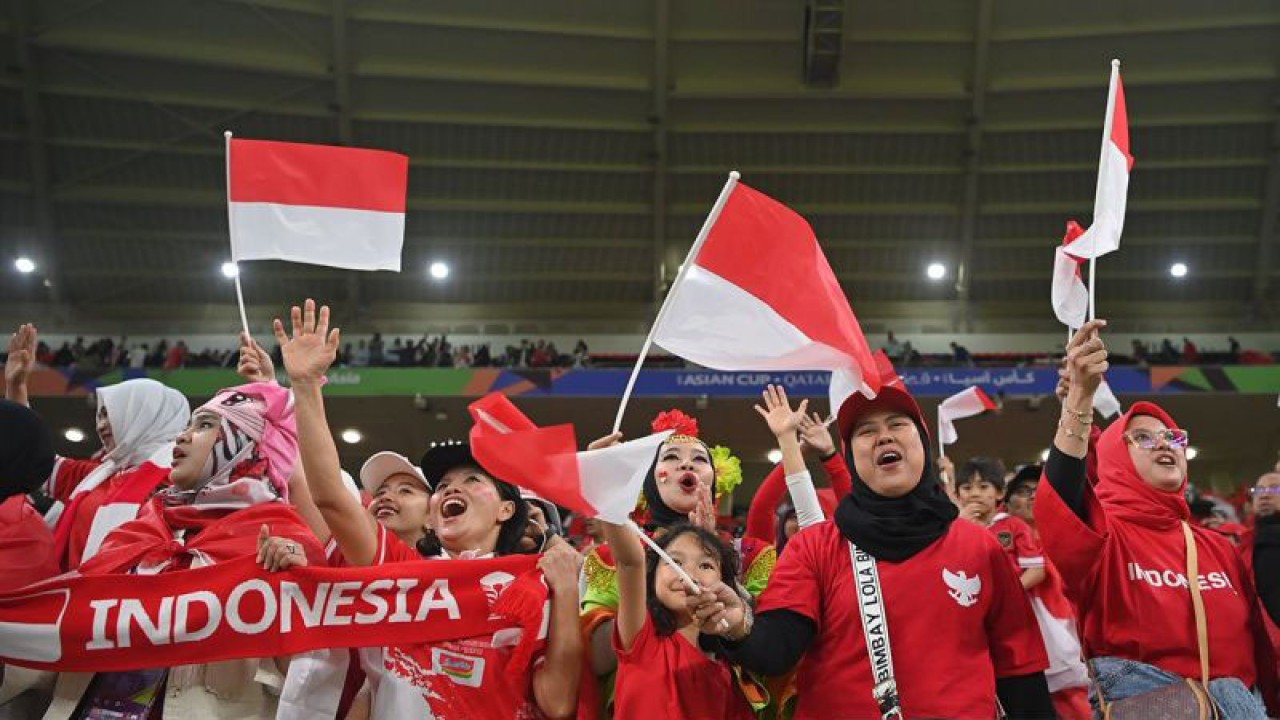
(887, 452)
(978, 492)
(103, 425)
(402, 504)
(1266, 495)
(701, 563)
(1022, 500)
(1164, 468)
(192, 449)
(468, 511)
(682, 469)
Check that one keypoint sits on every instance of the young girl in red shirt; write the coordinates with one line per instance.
(662, 669)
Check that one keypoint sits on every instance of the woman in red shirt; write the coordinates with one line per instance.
(1120, 547)
(26, 457)
(953, 630)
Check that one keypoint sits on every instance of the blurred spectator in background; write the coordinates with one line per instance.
(1140, 353)
(1190, 353)
(960, 354)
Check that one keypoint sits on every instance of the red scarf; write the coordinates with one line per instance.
(1122, 491)
(215, 536)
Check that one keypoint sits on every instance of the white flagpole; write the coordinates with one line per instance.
(231, 232)
(675, 285)
(942, 449)
(1106, 138)
(684, 576)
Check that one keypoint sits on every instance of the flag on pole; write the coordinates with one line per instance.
(1105, 401)
(758, 294)
(1112, 193)
(963, 404)
(1069, 295)
(601, 483)
(318, 204)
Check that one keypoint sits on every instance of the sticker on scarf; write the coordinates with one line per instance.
(462, 669)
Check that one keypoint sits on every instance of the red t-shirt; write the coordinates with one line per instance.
(957, 620)
(669, 677)
(1129, 584)
(453, 680)
(68, 474)
(1018, 541)
(26, 545)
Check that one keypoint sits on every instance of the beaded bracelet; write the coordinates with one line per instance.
(1084, 418)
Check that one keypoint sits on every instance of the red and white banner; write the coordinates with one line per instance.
(236, 610)
(963, 404)
(318, 204)
(601, 483)
(1112, 194)
(1069, 295)
(759, 295)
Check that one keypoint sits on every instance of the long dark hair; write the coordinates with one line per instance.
(664, 621)
(513, 528)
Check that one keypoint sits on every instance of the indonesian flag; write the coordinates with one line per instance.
(1069, 296)
(1105, 401)
(759, 295)
(1103, 236)
(317, 204)
(966, 403)
(601, 483)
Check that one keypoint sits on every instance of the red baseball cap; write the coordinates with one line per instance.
(893, 396)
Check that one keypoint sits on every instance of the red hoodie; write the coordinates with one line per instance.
(1125, 569)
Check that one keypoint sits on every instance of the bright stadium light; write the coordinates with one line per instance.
(25, 265)
(1044, 455)
(1192, 452)
(775, 456)
(1178, 270)
(230, 270)
(351, 436)
(74, 435)
(439, 270)
(936, 271)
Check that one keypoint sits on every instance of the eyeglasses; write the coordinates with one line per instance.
(1152, 439)
(1023, 491)
(1265, 490)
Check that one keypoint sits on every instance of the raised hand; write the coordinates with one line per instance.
(717, 609)
(255, 363)
(1087, 359)
(777, 412)
(313, 347)
(606, 441)
(704, 513)
(814, 434)
(560, 564)
(276, 553)
(22, 355)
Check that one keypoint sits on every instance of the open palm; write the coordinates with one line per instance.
(22, 355)
(777, 412)
(313, 347)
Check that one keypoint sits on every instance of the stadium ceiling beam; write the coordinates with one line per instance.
(308, 273)
(969, 207)
(1269, 228)
(661, 82)
(41, 186)
(158, 235)
(340, 66)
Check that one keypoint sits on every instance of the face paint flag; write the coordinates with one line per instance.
(97, 623)
(601, 483)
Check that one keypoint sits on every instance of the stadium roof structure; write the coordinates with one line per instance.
(564, 153)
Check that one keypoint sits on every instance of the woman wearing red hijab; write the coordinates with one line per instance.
(1121, 547)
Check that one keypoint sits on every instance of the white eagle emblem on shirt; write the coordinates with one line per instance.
(964, 589)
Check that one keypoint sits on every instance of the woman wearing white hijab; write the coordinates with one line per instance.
(137, 423)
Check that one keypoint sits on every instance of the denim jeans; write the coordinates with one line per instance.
(1118, 678)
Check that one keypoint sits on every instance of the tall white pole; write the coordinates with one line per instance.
(231, 232)
(675, 287)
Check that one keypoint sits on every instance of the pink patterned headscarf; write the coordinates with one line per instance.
(256, 450)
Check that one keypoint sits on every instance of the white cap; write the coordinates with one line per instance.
(383, 465)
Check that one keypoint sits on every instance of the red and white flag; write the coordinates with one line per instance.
(601, 483)
(1106, 402)
(963, 404)
(1112, 194)
(758, 294)
(318, 204)
(1069, 296)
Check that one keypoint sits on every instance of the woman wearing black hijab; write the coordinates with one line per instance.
(959, 630)
(26, 459)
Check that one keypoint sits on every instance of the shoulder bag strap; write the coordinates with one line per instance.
(1197, 602)
(875, 632)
